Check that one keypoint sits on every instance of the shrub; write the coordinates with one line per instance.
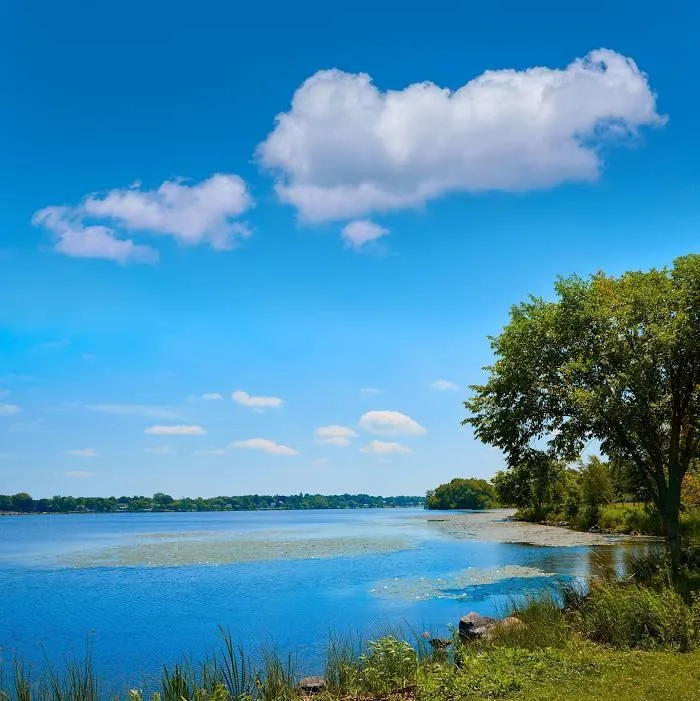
(388, 666)
(627, 518)
(632, 616)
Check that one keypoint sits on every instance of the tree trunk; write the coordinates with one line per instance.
(670, 515)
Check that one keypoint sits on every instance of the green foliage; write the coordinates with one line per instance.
(496, 671)
(544, 625)
(462, 494)
(632, 616)
(615, 359)
(536, 482)
(630, 518)
(389, 665)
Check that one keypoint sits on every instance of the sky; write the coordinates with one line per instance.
(260, 247)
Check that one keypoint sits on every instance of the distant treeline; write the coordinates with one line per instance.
(23, 503)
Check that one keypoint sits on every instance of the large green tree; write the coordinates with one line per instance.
(612, 359)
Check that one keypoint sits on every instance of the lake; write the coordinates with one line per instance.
(144, 589)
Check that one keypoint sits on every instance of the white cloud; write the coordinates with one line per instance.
(83, 453)
(75, 239)
(256, 402)
(384, 448)
(265, 445)
(79, 473)
(211, 451)
(7, 409)
(211, 396)
(152, 412)
(160, 450)
(345, 149)
(334, 435)
(175, 431)
(444, 385)
(371, 390)
(322, 462)
(360, 232)
(390, 423)
(193, 214)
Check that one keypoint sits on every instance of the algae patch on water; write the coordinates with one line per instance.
(495, 525)
(221, 551)
(455, 585)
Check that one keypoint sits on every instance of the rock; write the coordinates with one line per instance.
(474, 626)
(478, 620)
(312, 685)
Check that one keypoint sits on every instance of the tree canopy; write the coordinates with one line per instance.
(611, 359)
(462, 494)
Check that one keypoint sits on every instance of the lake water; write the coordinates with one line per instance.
(145, 589)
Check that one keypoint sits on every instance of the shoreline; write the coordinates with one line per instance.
(498, 525)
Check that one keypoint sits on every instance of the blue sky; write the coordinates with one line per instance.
(209, 199)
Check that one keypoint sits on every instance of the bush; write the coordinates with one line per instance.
(628, 518)
(389, 665)
(632, 616)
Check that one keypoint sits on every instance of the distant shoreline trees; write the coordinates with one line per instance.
(23, 503)
(462, 494)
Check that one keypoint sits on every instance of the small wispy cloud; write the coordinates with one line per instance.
(390, 423)
(444, 385)
(80, 474)
(385, 448)
(211, 451)
(371, 390)
(175, 431)
(83, 453)
(361, 232)
(160, 450)
(246, 399)
(338, 436)
(265, 445)
(151, 412)
(8, 409)
(211, 396)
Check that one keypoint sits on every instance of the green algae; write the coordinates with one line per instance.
(227, 551)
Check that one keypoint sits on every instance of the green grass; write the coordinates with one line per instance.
(580, 672)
